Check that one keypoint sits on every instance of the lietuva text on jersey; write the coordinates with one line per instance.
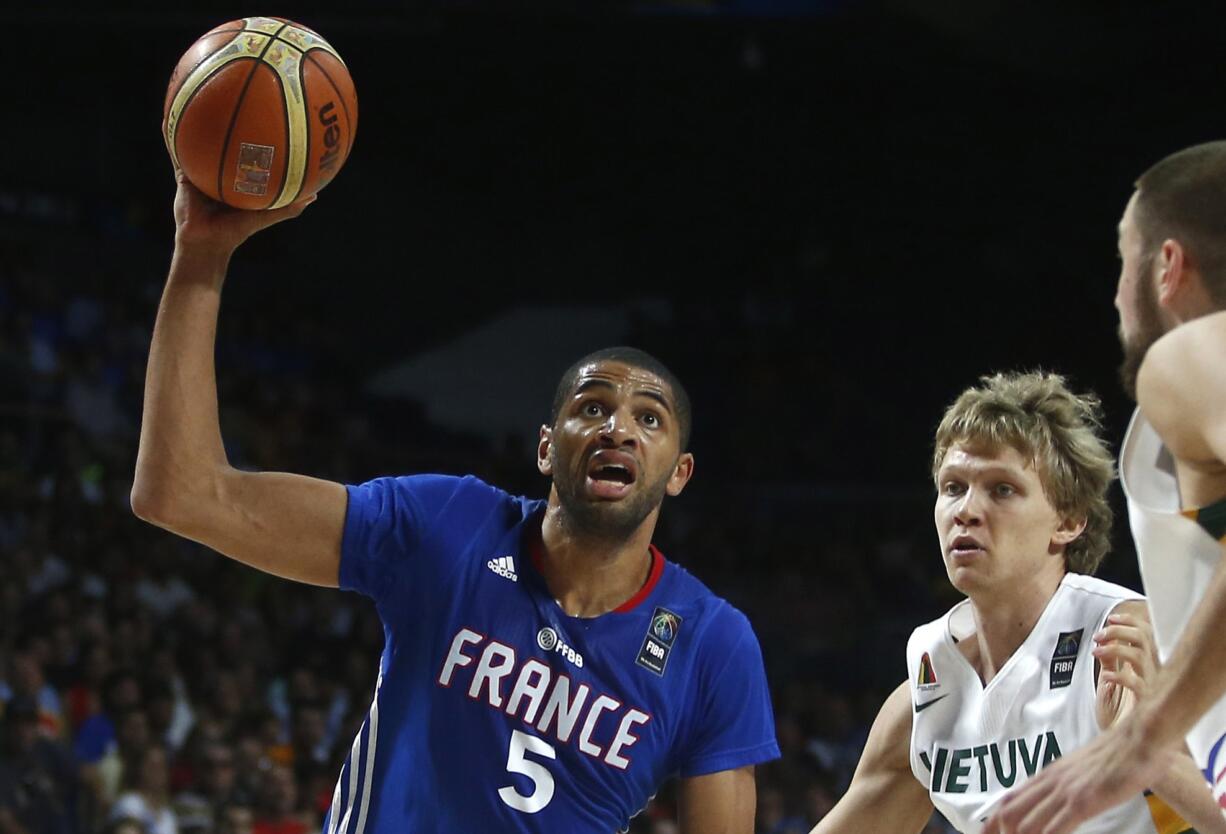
(973, 740)
(988, 766)
(495, 710)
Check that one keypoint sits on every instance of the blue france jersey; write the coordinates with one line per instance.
(497, 712)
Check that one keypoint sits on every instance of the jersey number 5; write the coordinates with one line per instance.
(542, 779)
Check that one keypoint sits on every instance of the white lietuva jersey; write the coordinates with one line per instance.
(1177, 559)
(971, 743)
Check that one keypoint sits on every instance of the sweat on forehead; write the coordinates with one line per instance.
(616, 373)
(610, 363)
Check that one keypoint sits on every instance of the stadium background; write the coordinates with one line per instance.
(828, 217)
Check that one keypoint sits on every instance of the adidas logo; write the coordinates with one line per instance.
(504, 566)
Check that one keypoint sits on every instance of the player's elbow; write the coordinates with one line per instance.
(151, 502)
(160, 499)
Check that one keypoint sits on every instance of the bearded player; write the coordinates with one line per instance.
(1172, 304)
(1041, 656)
(545, 668)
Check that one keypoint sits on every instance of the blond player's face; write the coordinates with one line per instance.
(994, 520)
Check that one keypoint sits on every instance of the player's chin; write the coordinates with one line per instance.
(966, 579)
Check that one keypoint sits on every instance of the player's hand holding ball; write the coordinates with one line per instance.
(260, 113)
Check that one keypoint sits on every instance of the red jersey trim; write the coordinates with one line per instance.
(657, 570)
(536, 551)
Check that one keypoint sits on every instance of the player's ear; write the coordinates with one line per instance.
(1068, 531)
(544, 444)
(682, 472)
(1172, 268)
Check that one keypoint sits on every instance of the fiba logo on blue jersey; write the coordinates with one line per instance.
(661, 633)
(664, 626)
(549, 640)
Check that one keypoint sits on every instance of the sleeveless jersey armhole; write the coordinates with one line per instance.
(1211, 518)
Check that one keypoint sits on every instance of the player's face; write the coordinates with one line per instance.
(995, 523)
(1135, 299)
(615, 451)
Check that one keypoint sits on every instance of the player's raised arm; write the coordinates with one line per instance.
(1128, 655)
(284, 524)
(884, 794)
(1182, 392)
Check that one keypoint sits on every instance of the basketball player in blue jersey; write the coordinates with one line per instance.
(1171, 299)
(545, 667)
(1041, 656)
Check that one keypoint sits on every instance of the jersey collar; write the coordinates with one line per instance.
(536, 554)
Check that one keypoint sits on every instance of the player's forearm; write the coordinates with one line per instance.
(894, 802)
(180, 443)
(853, 818)
(1182, 786)
(1194, 677)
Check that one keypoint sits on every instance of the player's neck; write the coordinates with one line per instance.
(1003, 621)
(589, 576)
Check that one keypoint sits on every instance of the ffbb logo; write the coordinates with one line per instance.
(549, 640)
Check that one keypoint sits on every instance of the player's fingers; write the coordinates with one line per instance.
(1142, 625)
(1123, 633)
(1062, 821)
(1038, 814)
(258, 220)
(292, 210)
(1111, 655)
(1016, 809)
(1124, 677)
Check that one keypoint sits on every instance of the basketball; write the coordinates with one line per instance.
(259, 113)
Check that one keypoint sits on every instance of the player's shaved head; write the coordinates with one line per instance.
(634, 358)
(1183, 197)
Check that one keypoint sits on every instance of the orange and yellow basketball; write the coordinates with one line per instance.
(260, 112)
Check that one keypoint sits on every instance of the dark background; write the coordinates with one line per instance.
(914, 196)
(828, 217)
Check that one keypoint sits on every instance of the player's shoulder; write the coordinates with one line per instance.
(1181, 375)
(927, 635)
(1094, 598)
(1084, 585)
(687, 596)
(446, 492)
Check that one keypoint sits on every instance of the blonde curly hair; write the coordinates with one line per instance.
(1036, 414)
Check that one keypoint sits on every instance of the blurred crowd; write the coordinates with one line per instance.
(149, 686)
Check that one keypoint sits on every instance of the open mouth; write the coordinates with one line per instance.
(965, 546)
(610, 474)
